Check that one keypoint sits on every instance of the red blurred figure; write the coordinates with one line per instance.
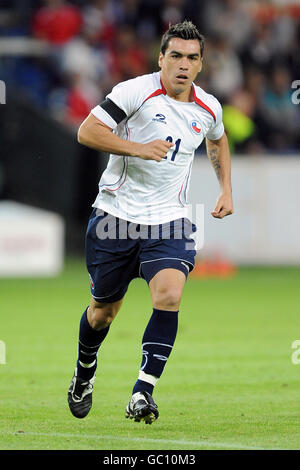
(129, 59)
(78, 107)
(82, 94)
(98, 20)
(57, 22)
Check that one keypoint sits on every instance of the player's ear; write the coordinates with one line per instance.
(200, 65)
(160, 58)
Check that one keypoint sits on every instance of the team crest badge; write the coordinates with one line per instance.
(195, 125)
(92, 282)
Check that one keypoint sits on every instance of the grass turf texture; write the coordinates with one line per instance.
(229, 383)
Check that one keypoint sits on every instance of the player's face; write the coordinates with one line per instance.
(180, 65)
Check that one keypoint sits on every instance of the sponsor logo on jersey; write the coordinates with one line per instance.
(195, 125)
(160, 118)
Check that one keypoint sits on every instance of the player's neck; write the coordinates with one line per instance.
(178, 94)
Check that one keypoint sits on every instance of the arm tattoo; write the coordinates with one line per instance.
(212, 153)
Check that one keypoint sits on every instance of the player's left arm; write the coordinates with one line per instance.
(219, 155)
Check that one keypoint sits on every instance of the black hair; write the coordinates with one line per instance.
(185, 30)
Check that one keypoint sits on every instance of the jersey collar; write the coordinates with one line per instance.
(162, 91)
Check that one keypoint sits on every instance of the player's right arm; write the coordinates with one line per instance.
(95, 134)
(123, 101)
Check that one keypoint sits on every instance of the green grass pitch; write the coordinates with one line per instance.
(229, 383)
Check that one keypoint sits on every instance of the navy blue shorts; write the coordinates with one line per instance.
(118, 251)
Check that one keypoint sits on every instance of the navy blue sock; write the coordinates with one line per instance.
(88, 345)
(142, 386)
(158, 341)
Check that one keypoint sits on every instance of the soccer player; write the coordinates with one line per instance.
(151, 125)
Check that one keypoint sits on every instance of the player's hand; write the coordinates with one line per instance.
(224, 206)
(155, 150)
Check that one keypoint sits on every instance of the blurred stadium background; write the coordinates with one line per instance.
(58, 59)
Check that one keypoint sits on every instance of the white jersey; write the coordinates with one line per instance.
(146, 191)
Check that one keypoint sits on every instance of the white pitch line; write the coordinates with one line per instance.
(226, 445)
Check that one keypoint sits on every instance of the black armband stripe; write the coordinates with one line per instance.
(113, 110)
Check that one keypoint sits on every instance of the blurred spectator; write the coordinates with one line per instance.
(81, 97)
(232, 19)
(34, 79)
(279, 112)
(255, 82)
(283, 31)
(129, 58)
(293, 55)
(224, 68)
(238, 121)
(72, 103)
(261, 48)
(127, 12)
(99, 21)
(149, 26)
(172, 12)
(251, 58)
(57, 22)
(142, 16)
(86, 68)
(84, 55)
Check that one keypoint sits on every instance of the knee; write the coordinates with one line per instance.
(167, 297)
(101, 317)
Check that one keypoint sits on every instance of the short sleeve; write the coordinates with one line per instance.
(217, 129)
(126, 98)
